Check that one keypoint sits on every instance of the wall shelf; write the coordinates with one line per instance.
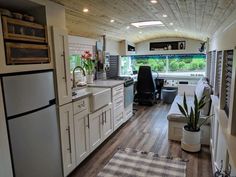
(19, 30)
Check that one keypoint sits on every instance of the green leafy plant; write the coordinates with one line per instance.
(193, 114)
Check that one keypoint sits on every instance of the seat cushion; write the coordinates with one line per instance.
(174, 114)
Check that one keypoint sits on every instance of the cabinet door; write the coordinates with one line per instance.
(81, 137)
(95, 129)
(60, 40)
(67, 138)
(107, 121)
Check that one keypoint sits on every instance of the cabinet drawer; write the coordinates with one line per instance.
(118, 118)
(81, 106)
(118, 90)
(120, 95)
(118, 102)
(118, 110)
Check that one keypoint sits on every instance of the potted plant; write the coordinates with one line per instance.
(191, 140)
(89, 65)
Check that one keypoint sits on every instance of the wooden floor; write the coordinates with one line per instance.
(147, 131)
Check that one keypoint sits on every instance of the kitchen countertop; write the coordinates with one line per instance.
(106, 83)
(81, 93)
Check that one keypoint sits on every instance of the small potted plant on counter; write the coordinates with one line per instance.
(191, 140)
(89, 66)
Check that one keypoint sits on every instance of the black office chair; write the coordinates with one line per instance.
(146, 88)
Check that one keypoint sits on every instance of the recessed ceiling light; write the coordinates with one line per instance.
(85, 10)
(176, 29)
(140, 32)
(164, 15)
(112, 21)
(171, 24)
(147, 23)
(128, 27)
(153, 1)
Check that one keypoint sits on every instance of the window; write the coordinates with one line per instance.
(176, 65)
(75, 60)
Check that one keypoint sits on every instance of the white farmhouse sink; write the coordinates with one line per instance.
(99, 98)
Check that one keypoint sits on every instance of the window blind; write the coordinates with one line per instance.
(208, 65)
(212, 74)
(218, 73)
(228, 78)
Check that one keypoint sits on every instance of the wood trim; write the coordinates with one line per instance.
(22, 23)
(23, 37)
(28, 46)
(46, 33)
(4, 26)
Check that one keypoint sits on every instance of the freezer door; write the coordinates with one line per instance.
(27, 92)
(35, 144)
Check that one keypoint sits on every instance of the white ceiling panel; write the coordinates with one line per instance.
(197, 19)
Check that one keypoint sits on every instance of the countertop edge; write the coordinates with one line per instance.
(81, 97)
(97, 84)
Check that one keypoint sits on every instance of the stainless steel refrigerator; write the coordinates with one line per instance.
(32, 123)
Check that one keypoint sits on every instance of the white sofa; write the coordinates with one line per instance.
(176, 121)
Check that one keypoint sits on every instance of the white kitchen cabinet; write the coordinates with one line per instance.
(81, 126)
(62, 65)
(95, 129)
(118, 105)
(107, 121)
(127, 48)
(81, 137)
(67, 137)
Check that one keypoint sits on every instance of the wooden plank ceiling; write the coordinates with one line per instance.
(197, 19)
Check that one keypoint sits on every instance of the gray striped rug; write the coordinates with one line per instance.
(133, 163)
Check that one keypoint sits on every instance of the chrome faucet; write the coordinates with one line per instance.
(82, 69)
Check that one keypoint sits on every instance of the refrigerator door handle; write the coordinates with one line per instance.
(52, 101)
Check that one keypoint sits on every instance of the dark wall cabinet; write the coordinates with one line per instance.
(170, 45)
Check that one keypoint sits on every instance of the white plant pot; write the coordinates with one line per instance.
(191, 141)
(89, 78)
